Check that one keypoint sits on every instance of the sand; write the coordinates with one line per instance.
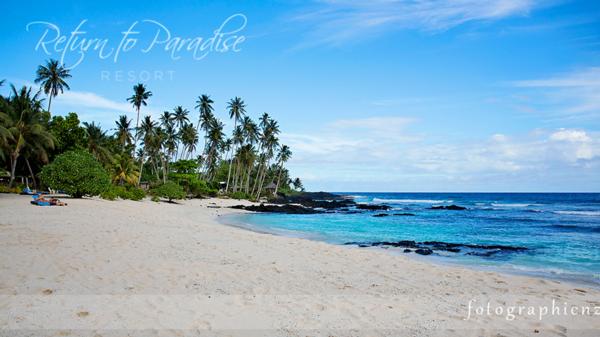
(117, 268)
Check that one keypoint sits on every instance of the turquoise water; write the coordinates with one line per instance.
(561, 231)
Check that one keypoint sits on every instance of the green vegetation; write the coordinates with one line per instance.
(169, 190)
(193, 152)
(129, 192)
(77, 173)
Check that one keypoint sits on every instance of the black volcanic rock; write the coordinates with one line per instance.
(424, 251)
(287, 209)
(380, 215)
(449, 208)
(373, 207)
(437, 246)
(315, 200)
(406, 250)
(403, 214)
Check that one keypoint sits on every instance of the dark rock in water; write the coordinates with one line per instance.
(380, 215)
(424, 251)
(403, 214)
(315, 200)
(449, 208)
(469, 249)
(484, 254)
(373, 207)
(287, 209)
(407, 250)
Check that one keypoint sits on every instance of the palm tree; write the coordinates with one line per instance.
(284, 155)
(125, 170)
(180, 117)
(140, 97)
(123, 133)
(146, 131)
(52, 77)
(24, 128)
(214, 141)
(189, 139)
(237, 109)
(166, 119)
(96, 140)
(204, 105)
(298, 184)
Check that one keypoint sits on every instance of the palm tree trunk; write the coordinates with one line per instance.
(13, 167)
(262, 180)
(141, 170)
(137, 124)
(31, 173)
(279, 177)
(260, 165)
(49, 102)
(231, 157)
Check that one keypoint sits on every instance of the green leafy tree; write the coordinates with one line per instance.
(77, 173)
(52, 78)
(68, 133)
(170, 191)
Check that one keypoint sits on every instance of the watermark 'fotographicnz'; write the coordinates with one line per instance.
(512, 312)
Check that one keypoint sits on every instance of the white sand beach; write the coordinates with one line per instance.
(116, 268)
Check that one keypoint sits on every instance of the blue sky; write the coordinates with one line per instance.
(380, 95)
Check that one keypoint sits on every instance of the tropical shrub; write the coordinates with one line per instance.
(129, 192)
(169, 190)
(192, 185)
(77, 173)
(200, 188)
(239, 195)
(185, 166)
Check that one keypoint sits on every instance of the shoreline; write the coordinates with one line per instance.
(129, 265)
(435, 260)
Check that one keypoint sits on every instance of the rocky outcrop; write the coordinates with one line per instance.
(429, 247)
(287, 209)
(449, 208)
(370, 207)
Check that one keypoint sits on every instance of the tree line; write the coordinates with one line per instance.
(176, 146)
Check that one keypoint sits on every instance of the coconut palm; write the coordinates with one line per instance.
(204, 105)
(123, 131)
(189, 139)
(125, 170)
(96, 143)
(298, 184)
(52, 78)
(214, 141)
(138, 99)
(237, 109)
(283, 156)
(180, 118)
(146, 131)
(25, 134)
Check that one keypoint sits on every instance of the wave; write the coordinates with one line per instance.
(585, 213)
(512, 205)
(410, 201)
(575, 228)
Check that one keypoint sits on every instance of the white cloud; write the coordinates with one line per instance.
(80, 99)
(336, 21)
(350, 157)
(570, 135)
(574, 95)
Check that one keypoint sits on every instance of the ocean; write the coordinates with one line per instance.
(561, 231)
